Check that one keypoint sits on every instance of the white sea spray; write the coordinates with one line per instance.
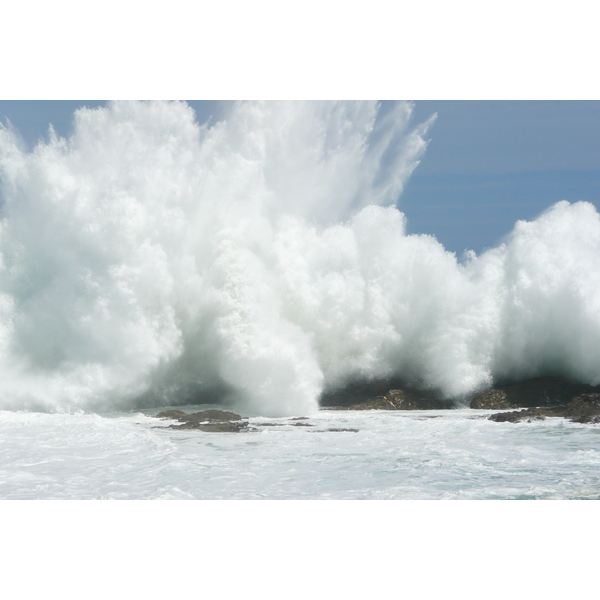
(264, 256)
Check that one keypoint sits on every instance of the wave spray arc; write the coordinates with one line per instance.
(150, 258)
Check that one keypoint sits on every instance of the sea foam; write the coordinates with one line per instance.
(262, 259)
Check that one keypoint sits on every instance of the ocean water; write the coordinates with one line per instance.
(416, 455)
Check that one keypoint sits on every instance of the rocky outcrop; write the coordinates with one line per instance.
(221, 421)
(340, 429)
(393, 400)
(492, 399)
(586, 419)
(582, 409)
(527, 414)
(205, 415)
(540, 398)
(395, 395)
(540, 391)
(385, 394)
(228, 427)
(377, 396)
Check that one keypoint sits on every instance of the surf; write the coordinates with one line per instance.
(148, 259)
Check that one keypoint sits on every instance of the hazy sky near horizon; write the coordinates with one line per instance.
(488, 163)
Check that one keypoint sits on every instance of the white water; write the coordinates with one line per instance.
(263, 258)
(394, 455)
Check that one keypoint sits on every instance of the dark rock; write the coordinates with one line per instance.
(295, 424)
(541, 391)
(395, 395)
(586, 419)
(586, 405)
(375, 404)
(226, 427)
(356, 392)
(399, 399)
(402, 400)
(206, 420)
(582, 409)
(205, 415)
(343, 429)
(336, 429)
(213, 415)
(493, 399)
(385, 394)
(529, 414)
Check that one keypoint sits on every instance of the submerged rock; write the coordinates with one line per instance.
(227, 427)
(529, 414)
(384, 394)
(205, 415)
(340, 429)
(586, 419)
(207, 420)
(295, 424)
(222, 421)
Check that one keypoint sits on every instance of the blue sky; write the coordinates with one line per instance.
(488, 164)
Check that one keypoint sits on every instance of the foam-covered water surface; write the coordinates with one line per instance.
(454, 454)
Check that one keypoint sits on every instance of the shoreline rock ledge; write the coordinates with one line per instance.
(399, 399)
(538, 398)
(531, 393)
(582, 409)
(382, 395)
